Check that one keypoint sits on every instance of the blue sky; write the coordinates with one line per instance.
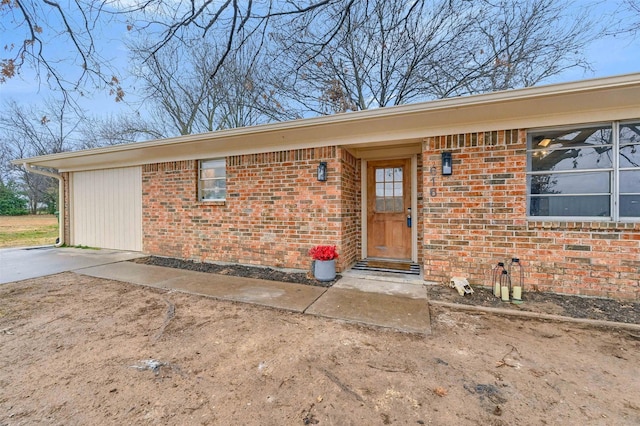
(608, 56)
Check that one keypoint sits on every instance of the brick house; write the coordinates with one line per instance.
(549, 174)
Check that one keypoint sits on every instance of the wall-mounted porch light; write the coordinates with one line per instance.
(447, 167)
(322, 171)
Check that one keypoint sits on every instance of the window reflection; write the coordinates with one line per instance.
(572, 172)
(212, 181)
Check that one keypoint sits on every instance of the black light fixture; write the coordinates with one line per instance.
(322, 171)
(447, 165)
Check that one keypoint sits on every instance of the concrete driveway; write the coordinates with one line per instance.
(32, 262)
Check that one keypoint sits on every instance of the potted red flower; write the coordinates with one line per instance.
(324, 262)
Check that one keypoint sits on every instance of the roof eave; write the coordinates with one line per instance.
(337, 128)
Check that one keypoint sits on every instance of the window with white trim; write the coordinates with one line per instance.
(212, 181)
(585, 172)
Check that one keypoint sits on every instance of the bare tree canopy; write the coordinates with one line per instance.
(184, 98)
(629, 21)
(30, 131)
(38, 27)
(380, 53)
(392, 38)
(33, 33)
(95, 132)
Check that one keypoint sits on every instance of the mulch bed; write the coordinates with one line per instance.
(549, 303)
(259, 272)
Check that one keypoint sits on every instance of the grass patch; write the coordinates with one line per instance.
(25, 231)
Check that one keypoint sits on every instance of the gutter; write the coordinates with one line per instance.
(32, 169)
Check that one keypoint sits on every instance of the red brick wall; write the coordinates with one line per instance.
(275, 209)
(351, 187)
(478, 218)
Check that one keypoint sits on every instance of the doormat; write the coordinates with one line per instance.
(387, 266)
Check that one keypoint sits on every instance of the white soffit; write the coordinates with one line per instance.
(605, 99)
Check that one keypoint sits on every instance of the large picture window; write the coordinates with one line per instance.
(212, 185)
(585, 172)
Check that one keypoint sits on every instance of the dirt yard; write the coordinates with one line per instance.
(81, 350)
(24, 231)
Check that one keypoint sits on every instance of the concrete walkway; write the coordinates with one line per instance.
(397, 305)
(400, 304)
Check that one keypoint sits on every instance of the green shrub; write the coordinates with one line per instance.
(11, 202)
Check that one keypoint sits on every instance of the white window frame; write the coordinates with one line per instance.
(202, 179)
(614, 171)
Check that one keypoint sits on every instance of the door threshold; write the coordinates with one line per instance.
(394, 266)
(367, 270)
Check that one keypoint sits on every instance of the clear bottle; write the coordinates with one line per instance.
(516, 270)
(505, 286)
(495, 278)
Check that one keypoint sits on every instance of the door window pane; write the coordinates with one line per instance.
(389, 205)
(389, 192)
(397, 174)
(397, 188)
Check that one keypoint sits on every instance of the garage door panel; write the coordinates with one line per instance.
(107, 208)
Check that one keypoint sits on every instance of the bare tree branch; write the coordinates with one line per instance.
(28, 132)
(490, 33)
(379, 53)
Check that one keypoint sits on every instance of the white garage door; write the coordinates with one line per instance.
(106, 208)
